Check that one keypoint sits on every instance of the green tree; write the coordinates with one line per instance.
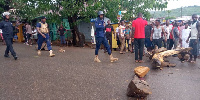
(84, 10)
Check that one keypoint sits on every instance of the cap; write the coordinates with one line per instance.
(43, 17)
(100, 13)
(6, 13)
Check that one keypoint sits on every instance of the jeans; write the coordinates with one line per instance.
(109, 38)
(171, 43)
(41, 39)
(9, 42)
(194, 46)
(62, 39)
(176, 43)
(139, 45)
(104, 41)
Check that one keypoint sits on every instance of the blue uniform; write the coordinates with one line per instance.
(7, 29)
(41, 39)
(100, 36)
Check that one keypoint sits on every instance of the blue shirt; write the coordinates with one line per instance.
(100, 29)
(7, 29)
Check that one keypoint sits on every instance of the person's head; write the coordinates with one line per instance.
(181, 23)
(194, 17)
(122, 22)
(157, 22)
(176, 24)
(140, 15)
(43, 19)
(6, 15)
(109, 22)
(101, 14)
(186, 25)
(167, 22)
(61, 26)
(127, 26)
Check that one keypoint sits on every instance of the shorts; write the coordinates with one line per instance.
(194, 46)
(29, 36)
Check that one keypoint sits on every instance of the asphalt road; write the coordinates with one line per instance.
(74, 76)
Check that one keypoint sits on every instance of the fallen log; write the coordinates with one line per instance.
(158, 58)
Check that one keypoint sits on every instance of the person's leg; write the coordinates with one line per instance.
(48, 42)
(191, 51)
(136, 48)
(10, 47)
(128, 44)
(159, 42)
(61, 41)
(106, 45)
(7, 48)
(168, 42)
(98, 45)
(122, 41)
(110, 42)
(40, 41)
(141, 48)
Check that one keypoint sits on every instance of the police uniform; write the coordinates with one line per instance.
(7, 29)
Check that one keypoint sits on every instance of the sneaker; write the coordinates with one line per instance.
(7, 56)
(15, 57)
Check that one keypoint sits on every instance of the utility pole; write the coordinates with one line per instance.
(181, 12)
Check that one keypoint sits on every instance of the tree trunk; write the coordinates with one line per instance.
(78, 38)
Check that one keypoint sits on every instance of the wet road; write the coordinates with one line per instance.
(74, 76)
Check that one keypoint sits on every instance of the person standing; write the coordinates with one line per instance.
(62, 31)
(156, 34)
(176, 36)
(24, 33)
(109, 31)
(100, 37)
(138, 28)
(43, 35)
(148, 43)
(8, 34)
(194, 38)
(167, 29)
(29, 34)
(122, 36)
(181, 26)
(185, 35)
(127, 36)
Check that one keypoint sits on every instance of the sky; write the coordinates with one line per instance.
(173, 4)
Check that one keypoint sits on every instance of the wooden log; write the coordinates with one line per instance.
(138, 88)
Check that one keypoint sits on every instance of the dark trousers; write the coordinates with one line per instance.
(127, 41)
(41, 39)
(171, 43)
(109, 38)
(157, 42)
(9, 42)
(139, 45)
(25, 36)
(104, 41)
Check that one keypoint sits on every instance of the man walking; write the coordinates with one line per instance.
(194, 37)
(109, 30)
(8, 34)
(29, 34)
(139, 36)
(100, 37)
(122, 38)
(42, 28)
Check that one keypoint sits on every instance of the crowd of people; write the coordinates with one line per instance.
(142, 34)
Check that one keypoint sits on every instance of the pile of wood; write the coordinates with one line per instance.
(157, 56)
(137, 87)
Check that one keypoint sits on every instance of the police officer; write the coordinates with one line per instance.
(7, 29)
(42, 28)
(100, 37)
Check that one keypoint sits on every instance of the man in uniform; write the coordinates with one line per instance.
(7, 29)
(42, 28)
(100, 37)
(194, 37)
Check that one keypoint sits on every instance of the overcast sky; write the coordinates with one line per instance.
(173, 4)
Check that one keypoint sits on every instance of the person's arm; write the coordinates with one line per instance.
(65, 31)
(163, 30)
(38, 29)
(188, 37)
(198, 28)
(152, 31)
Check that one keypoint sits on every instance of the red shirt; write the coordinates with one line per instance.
(139, 25)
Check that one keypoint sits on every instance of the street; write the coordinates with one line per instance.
(73, 75)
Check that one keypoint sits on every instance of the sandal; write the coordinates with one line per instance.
(136, 61)
(141, 61)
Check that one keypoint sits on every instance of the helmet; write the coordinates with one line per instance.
(100, 13)
(5, 13)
